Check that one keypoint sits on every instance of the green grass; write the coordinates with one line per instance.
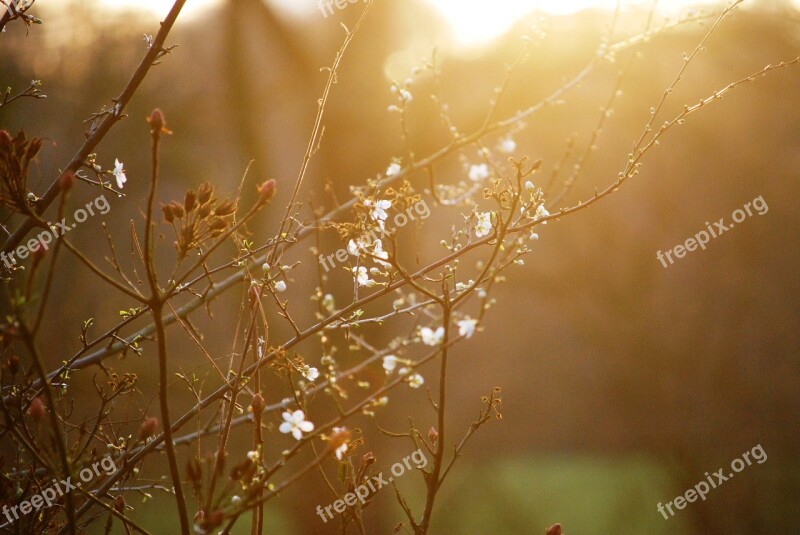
(587, 495)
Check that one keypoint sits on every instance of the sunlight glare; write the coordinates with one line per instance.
(160, 7)
(475, 23)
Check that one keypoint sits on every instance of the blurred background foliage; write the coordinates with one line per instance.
(623, 382)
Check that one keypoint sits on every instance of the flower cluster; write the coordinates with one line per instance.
(198, 218)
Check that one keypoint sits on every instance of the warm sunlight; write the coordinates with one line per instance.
(478, 22)
(160, 7)
(472, 22)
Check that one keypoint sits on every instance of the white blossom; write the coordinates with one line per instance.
(378, 212)
(508, 145)
(380, 254)
(309, 373)
(354, 247)
(342, 449)
(362, 276)
(296, 424)
(119, 173)
(484, 225)
(431, 337)
(393, 169)
(416, 381)
(280, 286)
(479, 172)
(389, 363)
(541, 212)
(462, 286)
(466, 327)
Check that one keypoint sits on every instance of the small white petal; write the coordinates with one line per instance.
(306, 426)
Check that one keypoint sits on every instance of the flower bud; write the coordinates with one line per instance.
(148, 427)
(226, 208)
(66, 181)
(555, 530)
(257, 405)
(204, 210)
(5, 139)
(204, 192)
(157, 121)
(167, 209)
(33, 148)
(267, 190)
(37, 410)
(433, 435)
(217, 224)
(177, 209)
(119, 503)
(215, 519)
(368, 459)
(189, 200)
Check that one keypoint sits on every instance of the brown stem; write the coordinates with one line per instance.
(163, 392)
(157, 309)
(433, 480)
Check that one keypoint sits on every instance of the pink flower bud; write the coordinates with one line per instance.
(148, 427)
(157, 121)
(267, 190)
(37, 410)
(6, 139)
(215, 519)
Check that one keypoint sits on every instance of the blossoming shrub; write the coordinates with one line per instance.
(339, 380)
